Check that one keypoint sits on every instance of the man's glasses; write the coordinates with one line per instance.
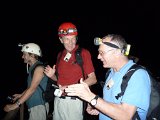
(102, 53)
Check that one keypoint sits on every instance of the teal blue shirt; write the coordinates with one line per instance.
(36, 98)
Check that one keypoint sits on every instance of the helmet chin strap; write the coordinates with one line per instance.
(27, 67)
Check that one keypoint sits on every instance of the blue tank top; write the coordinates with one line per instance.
(36, 98)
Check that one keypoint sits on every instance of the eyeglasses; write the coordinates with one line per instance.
(102, 53)
(68, 31)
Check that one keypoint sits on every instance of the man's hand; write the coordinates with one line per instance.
(91, 110)
(81, 90)
(16, 97)
(50, 71)
(10, 107)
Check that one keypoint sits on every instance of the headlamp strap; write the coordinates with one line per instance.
(111, 45)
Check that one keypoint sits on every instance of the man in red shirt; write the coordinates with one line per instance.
(69, 72)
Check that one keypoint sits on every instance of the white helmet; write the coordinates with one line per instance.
(32, 48)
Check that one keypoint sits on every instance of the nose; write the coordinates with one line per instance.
(99, 56)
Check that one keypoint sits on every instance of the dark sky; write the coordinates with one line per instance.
(23, 23)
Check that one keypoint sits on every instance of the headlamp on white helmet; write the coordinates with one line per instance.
(31, 48)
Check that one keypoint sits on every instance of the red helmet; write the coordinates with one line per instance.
(67, 28)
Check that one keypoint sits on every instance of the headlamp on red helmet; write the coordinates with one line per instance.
(67, 29)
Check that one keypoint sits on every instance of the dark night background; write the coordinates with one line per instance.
(38, 23)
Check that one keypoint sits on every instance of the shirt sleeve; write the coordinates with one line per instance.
(87, 62)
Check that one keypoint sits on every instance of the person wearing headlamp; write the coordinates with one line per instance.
(33, 95)
(113, 52)
(67, 72)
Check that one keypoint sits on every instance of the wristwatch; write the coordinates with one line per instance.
(18, 103)
(94, 100)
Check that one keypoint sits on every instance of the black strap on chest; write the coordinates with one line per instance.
(79, 61)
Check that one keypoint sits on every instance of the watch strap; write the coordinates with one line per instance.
(94, 99)
(18, 103)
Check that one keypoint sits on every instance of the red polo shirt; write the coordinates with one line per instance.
(70, 72)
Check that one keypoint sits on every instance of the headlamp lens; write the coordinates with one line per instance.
(65, 32)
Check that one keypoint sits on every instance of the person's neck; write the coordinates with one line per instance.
(120, 64)
(32, 62)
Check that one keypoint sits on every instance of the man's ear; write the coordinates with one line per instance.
(118, 52)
